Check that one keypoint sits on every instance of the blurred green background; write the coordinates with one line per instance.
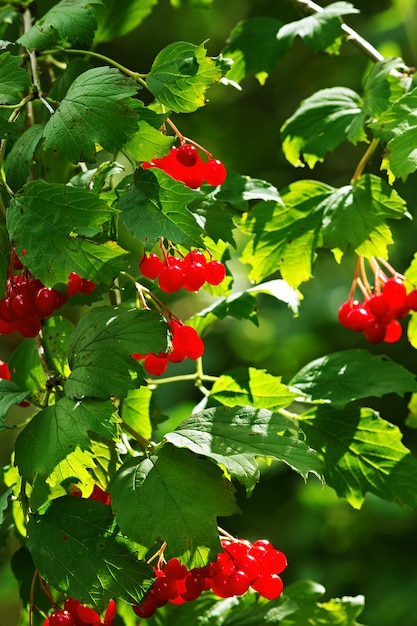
(350, 552)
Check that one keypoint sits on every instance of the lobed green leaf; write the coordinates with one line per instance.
(181, 74)
(155, 206)
(14, 79)
(321, 123)
(10, 394)
(322, 30)
(49, 220)
(362, 453)
(94, 111)
(67, 22)
(235, 437)
(165, 492)
(20, 157)
(254, 48)
(121, 17)
(79, 551)
(57, 431)
(105, 331)
(342, 377)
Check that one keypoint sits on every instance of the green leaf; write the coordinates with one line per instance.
(181, 74)
(398, 128)
(342, 377)
(165, 493)
(322, 30)
(27, 371)
(48, 220)
(93, 111)
(235, 437)
(14, 79)
(320, 124)
(252, 387)
(148, 142)
(20, 157)
(362, 453)
(5, 251)
(356, 215)
(4, 502)
(136, 410)
(105, 331)
(285, 237)
(254, 48)
(56, 334)
(10, 394)
(243, 304)
(382, 86)
(78, 550)
(121, 17)
(156, 206)
(58, 430)
(67, 22)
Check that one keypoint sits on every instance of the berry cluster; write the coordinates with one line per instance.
(27, 301)
(241, 565)
(190, 272)
(76, 614)
(185, 343)
(377, 316)
(186, 165)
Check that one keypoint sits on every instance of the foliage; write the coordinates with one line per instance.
(80, 390)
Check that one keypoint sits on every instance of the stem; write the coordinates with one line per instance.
(125, 70)
(364, 160)
(145, 443)
(309, 7)
(27, 24)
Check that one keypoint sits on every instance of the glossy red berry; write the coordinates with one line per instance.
(269, 586)
(155, 364)
(214, 172)
(215, 272)
(357, 318)
(171, 277)
(192, 342)
(87, 286)
(378, 305)
(4, 371)
(393, 332)
(395, 292)
(194, 276)
(187, 155)
(74, 284)
(375, 330)
(61, 617)
(150, 265)
(21, 305)
(46, 300)
(411, 300)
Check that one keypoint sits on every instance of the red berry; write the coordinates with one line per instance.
(46, 300)
(194, 276)
(357, 318)
(268, 585)
(215, 272)
(110, 613)
(214, 172)
(175, 569)
(395, 292)
(378, 305)
(187, 155)
(344, 311)
(155, 364)
(220, 585)
(191, 341)
(375, 330)
(165, 588)
(61, 618)
(74, 284)
(22, 306)
(393, 332)
(150, 265)
(87, 286)
(238, 583)
(7, 328)
(148, 607)
(88, 615)
(4, 371)
(171, 277)
(5, 312)
(195, 256)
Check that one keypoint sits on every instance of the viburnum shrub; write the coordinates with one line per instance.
(120, 242)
